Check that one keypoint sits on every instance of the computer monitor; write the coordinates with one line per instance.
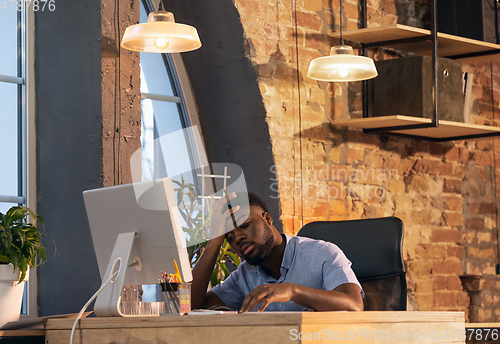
(135, 223)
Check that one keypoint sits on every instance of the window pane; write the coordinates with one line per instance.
(8, 38)
(167, 118)
(144, 15)
(8, 139)
(154, 77)
(171, 157)
(6, 206)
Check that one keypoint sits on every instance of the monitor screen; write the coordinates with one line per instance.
(148, 209)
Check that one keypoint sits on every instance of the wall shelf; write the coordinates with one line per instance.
(446, 131)
(415, 40)
(421, 41)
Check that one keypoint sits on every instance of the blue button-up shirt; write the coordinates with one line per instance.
(312, 263)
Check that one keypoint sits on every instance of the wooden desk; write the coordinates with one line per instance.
(263, 328)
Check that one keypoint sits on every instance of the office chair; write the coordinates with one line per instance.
(375, 248)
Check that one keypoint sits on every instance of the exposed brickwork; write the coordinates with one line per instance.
(443, 192)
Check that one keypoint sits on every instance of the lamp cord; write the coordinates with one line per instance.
(341, 38)
(118, 101)
(300, 120)
(497, 33)
(497, 267)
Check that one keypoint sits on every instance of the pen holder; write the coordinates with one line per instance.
(131, 303)
(177, 297)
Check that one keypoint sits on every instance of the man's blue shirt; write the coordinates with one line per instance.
(312, 263)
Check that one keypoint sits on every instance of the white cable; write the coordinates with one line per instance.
(88, 303)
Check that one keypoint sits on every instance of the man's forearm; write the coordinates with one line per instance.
(345, 297)
(202, 273)
(328, 300)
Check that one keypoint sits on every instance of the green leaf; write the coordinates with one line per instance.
(23, 275)
(20, 240)
(214, 280)
(39, 218)
(235, 258)
(180, 195)
(225, 270)
(191, 195)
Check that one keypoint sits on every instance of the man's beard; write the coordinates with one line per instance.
(265, 250)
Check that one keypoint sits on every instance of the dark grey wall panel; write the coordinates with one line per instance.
(230, 105)
(69, 138)
(69, 148)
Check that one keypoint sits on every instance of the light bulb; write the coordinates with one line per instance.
(343, 72)
(161, 43)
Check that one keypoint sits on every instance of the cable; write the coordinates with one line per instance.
(497, 266)
(497, 33)
(118, 101)
(341, 37)
(300, 121)
(90, 301)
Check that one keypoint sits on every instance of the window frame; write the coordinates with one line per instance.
(26, 142)
(29, 136)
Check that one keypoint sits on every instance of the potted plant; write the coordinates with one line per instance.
(20, 247)
(195, 226)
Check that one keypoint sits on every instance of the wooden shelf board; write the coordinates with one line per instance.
(448, 45)
(445, 130)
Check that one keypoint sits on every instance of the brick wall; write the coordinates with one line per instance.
(443, 192)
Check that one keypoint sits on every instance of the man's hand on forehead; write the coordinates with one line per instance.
(228, 213)
(241, 215)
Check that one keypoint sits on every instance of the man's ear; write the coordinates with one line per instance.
(268, 218)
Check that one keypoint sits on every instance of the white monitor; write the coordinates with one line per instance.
(131, 223)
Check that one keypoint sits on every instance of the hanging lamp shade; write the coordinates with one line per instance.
(342, 65)
(161, 34)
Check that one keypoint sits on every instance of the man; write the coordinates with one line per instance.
(279, 272)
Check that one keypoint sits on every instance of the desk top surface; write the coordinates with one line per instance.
(264, 319)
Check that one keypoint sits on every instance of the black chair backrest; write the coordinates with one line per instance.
(375, 248)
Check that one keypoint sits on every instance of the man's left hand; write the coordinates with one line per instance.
(267, 293)
(345, 297)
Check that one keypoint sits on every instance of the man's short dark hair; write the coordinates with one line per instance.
(253, 199)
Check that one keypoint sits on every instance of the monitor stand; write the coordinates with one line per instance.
(108, 301)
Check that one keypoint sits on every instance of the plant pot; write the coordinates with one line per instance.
(11, 294)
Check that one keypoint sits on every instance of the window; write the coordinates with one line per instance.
(17, 115)
(167, 107)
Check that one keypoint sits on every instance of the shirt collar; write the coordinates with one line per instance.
(289, 253)
(285, 263)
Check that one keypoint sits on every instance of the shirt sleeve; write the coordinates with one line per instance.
(337, 271)
(229, 291)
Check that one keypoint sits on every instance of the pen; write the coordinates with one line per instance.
(230, 207)
(177, 273)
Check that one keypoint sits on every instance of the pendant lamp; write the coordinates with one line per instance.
(342, 64)
(161, 34)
